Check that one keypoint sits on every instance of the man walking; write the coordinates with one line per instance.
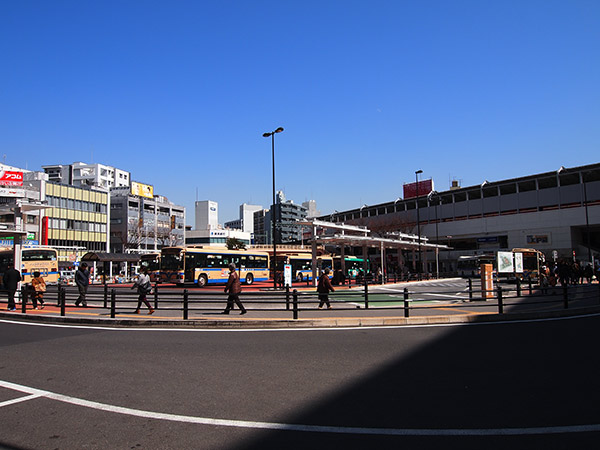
(82, 280)
(234, 288)
(323, 289)
(11, 280)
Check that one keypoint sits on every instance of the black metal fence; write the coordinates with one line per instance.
(472, 299)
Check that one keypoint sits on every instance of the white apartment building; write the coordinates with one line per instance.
(82, 174)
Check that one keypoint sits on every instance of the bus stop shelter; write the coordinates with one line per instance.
(107, 260)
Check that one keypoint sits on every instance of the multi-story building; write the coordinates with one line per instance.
(556, 212)
(82, 174)
(260, 226)
(142, 222)
(206, 215)
(287, 213)
(311, 209)
(246, 220)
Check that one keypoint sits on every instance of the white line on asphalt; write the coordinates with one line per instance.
(299, 427)
(19, 400)
(257, 330)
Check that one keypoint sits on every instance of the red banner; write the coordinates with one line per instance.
(44, 230)
(11, 178)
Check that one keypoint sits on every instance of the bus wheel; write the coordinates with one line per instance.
(249, 279)
(202, 280)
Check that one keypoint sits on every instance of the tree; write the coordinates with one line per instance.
(235, 244)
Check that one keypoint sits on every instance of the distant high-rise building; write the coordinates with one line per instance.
(311, 209)
(207, 215)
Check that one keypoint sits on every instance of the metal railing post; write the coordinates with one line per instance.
(185, 304)
(155, 295)
(62, 298)
(566, 296)
(58, 295)
(500, 304)
(295, 309)
(530, 286)
(518, 287)
(287, 297)
(366, 294)
(470, 281)
(113, 303)
(24, 295)
(406, 306)
(105, 295)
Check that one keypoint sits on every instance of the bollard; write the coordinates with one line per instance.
(113, 307)
(105, 295)
(566, 296)
(406, 307)
(530, 286)
(366, 294)
(500, 304)
(287, 297)
(155, 295)
(62, 299)
(185, 304)
(518, 287)
(470, 289)
(295, 296)
(58, 295)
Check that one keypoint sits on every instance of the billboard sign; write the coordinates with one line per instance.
(12, 192)
(425, 187)
(505, 262)
(143, 190)
(11, 178)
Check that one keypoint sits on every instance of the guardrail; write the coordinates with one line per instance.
(406, 302)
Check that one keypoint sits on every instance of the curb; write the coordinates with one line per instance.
(340, 322)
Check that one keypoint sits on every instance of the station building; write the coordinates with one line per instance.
(555, 212)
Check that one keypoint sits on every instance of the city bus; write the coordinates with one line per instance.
(34, 259)
(532, 260)
(302, 265)
(354, 265)
(151, 262)
(203, 266)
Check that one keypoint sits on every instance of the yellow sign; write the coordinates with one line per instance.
(143, 190)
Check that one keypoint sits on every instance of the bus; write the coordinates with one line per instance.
(302, 265)
(151, 262)
(532, 260)
(354, 265)
(34, 259)
(203, 266)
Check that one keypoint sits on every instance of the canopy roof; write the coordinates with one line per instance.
(111, 257)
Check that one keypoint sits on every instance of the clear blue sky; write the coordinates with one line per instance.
(179, 93)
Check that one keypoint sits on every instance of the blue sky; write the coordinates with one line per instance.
(179, 93)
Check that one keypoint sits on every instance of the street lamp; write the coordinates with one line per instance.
(272, 135)
(437, 260)
(418, 223)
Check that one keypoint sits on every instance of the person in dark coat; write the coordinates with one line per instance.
(234, 288)
(11, 280)
(82, 280)
(323, 288)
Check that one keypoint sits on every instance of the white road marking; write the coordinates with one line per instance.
(299, 427)
(19, 400)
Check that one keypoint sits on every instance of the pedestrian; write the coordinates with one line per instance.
(39, 287)
(82, 280)
(11, 280)
(143, 288)
(234, 288)
(323, 288)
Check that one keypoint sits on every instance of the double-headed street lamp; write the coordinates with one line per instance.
(272, 135)
(418, 222)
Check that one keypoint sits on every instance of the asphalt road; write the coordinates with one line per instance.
(521, 385)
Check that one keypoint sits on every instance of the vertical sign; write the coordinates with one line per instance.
(287, 275)
(487, 281)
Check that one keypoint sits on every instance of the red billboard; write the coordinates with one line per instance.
(11, 178)
(425, 187)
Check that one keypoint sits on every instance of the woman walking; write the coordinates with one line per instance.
(323, 289)
(39, 287)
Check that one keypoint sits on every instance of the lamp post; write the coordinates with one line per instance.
(274, 237)
(437, 259)
(418, 223)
